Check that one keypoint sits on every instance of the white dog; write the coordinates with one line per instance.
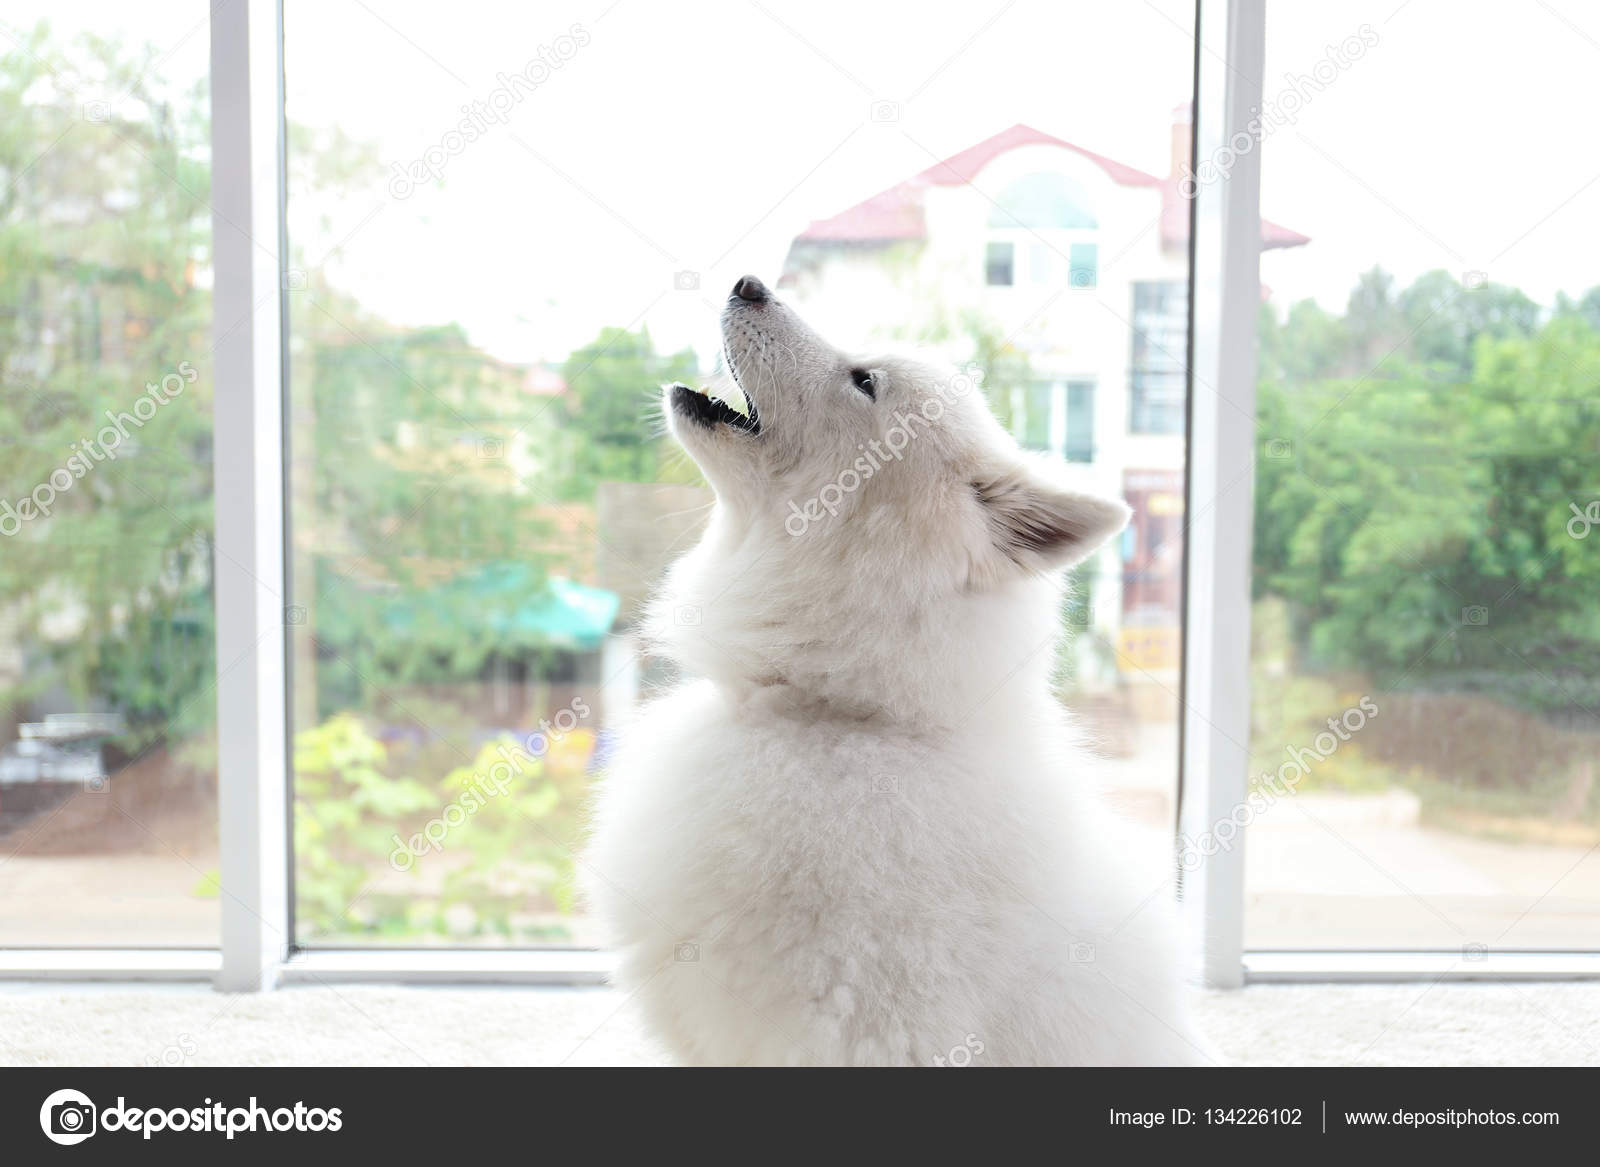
(864, 835)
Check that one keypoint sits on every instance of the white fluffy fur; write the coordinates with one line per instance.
(864, 835)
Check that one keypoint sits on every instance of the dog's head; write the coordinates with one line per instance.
(858, 486)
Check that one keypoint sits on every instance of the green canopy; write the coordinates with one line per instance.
(510, 602)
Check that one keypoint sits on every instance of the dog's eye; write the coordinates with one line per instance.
(864, 382)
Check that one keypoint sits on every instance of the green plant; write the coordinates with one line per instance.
(345, 806)
(482, 851)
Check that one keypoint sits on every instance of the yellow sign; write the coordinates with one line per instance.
(1150, 650)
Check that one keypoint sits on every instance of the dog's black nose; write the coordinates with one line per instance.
(752, 289)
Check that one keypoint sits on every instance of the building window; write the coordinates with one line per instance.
(999, 265)
(1157, 381)
(1056, 417)
(1041, 264)
(1043, 200)
(1084, 265)
(1080, 422)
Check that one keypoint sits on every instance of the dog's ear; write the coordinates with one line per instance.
(1034, 525)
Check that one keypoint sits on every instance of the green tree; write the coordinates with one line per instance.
(1310, 344)
(104, 230)
(1444, 319)
(613, 385)
(413, 451)
(1400, 509)
(1372, 318)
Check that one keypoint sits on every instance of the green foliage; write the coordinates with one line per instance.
(1432, 326)
(1415, 515)
(413, 460)
(102, 229)
(406, 442)
(1289, 711)
(612, 382)
(1006, 367)
(1443, 321)
(341, 796)
(481, 851)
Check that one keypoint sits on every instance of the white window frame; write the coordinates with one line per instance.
(256, 951)
(1224, 298)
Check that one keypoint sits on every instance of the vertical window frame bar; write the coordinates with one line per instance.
(1224, 296)
(251, 613)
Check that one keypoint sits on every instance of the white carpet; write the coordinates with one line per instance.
(40, 1024)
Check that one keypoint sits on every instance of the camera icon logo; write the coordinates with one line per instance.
(1475, 953)
(98, 112)
(294, 614)
(294, 279)
(686, 615)
(686, 281)
(1081, 952)
(1279, 449)
(886, 111)
(1475, 616)
(491, 448)
(67, 1117)
(1473, 280)
(686, 953)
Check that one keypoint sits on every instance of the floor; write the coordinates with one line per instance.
(1414, 1024)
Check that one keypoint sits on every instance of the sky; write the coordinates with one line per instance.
(654, 140)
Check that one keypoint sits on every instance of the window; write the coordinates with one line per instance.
(1039, 408)
(108, 795)
(1057, 417)
(999, 263)
(1425, 711)
(1043, 201)
(476, 502)
(1080, 421)
(1041, 263)
(1156, 373)
(1084, 265)
(472, 545)
(478, 508)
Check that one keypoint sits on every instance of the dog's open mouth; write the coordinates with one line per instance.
(699, 405)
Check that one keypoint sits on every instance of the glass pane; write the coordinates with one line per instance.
(1159, 329)
(1080, 421)
(1040, 403)
(1085, 260)
(107, 679)
(500, 251)
(1426, 640)
(999, 265)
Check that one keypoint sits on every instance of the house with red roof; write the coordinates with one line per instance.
(1079, 263)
